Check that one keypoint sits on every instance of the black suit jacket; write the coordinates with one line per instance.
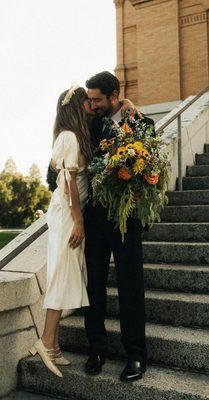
(98, 133)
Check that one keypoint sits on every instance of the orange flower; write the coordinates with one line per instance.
(152, 180)
(126, 128)
(124, 173)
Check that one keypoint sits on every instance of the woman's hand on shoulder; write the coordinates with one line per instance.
(77, 234)
(129, 105)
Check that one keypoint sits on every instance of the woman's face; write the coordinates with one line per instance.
(87, 106)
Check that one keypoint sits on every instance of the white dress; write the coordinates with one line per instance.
(66, 267)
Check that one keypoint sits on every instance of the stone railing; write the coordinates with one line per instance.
(22, 286)
(23, 261)
(195, 133)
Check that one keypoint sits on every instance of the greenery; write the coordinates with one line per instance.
(130, 172)
(6, 237)
(21, 196)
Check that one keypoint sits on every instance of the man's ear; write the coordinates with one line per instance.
(114, 96)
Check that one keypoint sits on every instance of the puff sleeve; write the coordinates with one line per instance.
(65, 154)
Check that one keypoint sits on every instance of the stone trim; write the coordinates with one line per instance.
(193, 19)
(118, 3)
(145, 3)
(120, 67)
(23, 240)
(133, 82)
(134, 2)
(129, 29)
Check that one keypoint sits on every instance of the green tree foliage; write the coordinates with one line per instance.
(34, 171)
(10, 167)
(20, 197)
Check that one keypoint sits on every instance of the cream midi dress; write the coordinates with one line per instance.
(66, 267)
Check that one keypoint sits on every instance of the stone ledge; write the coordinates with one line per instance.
(12, 348)
(17, 245)
(17, 290)
(21, 320)
(32, 260)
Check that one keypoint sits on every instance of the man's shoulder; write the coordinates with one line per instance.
(145, 119)
(148, 120)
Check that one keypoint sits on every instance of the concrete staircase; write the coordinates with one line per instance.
(176, 255)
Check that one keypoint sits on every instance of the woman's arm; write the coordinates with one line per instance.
(128, 105)
(77, 234)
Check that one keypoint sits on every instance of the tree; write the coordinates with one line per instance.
(20, 197)
(34, 172)
(10, 167)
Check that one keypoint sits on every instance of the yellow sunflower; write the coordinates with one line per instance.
(122, 151)
(130, 146)
(138, 145)
(138, 166)
(103, 144)
(116, 157)
(145, 153)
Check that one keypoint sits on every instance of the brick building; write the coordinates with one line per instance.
(162, 49)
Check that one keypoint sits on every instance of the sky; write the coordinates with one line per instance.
(46, 45)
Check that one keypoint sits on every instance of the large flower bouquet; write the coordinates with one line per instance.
(130, 172)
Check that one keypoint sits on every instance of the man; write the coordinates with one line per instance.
(101, 240)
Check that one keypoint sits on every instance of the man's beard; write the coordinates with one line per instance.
(104, 113)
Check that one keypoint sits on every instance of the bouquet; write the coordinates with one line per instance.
(130, 171)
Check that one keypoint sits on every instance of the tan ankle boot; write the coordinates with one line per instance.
(47, 356)
(59, 358)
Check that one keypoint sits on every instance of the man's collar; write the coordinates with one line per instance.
(117, 116)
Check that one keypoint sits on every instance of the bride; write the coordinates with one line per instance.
(66, 268)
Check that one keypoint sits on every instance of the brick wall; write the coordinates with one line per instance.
(163, 49)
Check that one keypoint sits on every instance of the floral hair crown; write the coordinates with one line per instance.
(69, 95)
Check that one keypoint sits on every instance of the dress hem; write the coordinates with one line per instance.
(65, 307)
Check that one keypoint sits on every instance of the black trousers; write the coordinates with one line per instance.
(101, 240)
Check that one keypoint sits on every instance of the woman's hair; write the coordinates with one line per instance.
(73, 117)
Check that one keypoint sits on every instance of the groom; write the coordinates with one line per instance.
(101, 240)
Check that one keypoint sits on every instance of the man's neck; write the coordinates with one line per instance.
(115, 109)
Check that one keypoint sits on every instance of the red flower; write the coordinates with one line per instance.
(152, 180)
(124, 173)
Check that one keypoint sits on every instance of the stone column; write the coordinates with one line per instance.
(120, 68)
(158, 51)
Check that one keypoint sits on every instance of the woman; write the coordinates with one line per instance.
(66, 270)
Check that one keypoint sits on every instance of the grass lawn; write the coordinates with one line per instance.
(6, 237)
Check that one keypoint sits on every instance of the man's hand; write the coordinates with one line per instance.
(77, 234)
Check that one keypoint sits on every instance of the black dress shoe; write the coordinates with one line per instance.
(133, 370)
(94, 364)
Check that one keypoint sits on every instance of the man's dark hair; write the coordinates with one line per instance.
(105, 81)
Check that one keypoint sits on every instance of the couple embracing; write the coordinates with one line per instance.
(77, 269)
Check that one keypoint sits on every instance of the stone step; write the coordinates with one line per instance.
(202, 159)
(184, 348)
(195, 183)
(172, 277)
(191, 213)
(179, 309)
(20, 395)
(157, 384)
(177, 253)
(198, 170)
(206, 148)
(188, 197)
(178, 232)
